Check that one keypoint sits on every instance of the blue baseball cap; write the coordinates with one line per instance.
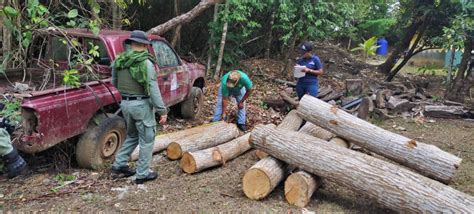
(305, 47)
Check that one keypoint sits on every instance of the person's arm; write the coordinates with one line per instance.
(248, 86)
(318, 72)
(155, 93)
(225, 102)
(247, 94)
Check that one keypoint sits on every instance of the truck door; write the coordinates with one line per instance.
(172, 71)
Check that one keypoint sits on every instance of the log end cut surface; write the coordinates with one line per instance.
(299, 187)
(256, 184)
(174, 151)
(188, 164)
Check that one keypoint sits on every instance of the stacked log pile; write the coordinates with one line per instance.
(162, 141)
(424, 189)
(382, 101)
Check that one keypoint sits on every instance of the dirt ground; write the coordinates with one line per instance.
(55, 183)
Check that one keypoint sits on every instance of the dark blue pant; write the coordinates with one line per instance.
(306, 88)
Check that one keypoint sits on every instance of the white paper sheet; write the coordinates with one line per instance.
(298, 72)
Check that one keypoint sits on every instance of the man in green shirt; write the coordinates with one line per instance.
(237, 84)
(134, 75)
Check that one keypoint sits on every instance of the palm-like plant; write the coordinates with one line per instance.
(368, 47)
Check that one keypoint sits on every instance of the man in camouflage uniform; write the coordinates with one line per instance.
(12, 161)
(134, 75)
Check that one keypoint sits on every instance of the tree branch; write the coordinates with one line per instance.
(184, 18)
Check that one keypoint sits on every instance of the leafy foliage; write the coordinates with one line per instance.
(11, 111)
(368, 47)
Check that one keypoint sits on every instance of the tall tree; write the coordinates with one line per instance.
(463, 24)
(415, 12)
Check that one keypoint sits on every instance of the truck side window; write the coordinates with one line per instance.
(103, 58)
(165, 55)
(58, 50)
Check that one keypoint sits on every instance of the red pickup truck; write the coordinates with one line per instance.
(91, 111)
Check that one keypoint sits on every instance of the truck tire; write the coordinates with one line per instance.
(192, 107)
(98, 145)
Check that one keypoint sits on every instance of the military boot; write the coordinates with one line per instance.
(15, 164)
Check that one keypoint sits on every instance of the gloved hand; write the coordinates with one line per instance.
(5, 124)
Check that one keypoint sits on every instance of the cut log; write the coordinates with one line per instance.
(390, 185)
(333, 96)
(263, 177)
(364, 108)
(399, 105)
(354, 87)
(197, 161)
(291, 122)
(426, 159)
(299, 187)
(340, 142)
(266, 174)
(162, 141)
(288, 99)
(316, 131)
(380, 99)
(450, 112)
(204, 140)
(324, 91)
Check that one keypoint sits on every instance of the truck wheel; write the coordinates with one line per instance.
(192, 107)
(98, 145)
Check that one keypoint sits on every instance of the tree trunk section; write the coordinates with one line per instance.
(299, 187)
(426, 159)
(390, 185)
(450, 67)
(457, 92)
(269, 177)
(162, 141)
(449, 112)
(116, 16)
(407, 56)
(203, 140)
(263, 177)
(177, 30)
(197, 161)
(184, 18)
(316, 131)
(340, 142)
(291, 122)
(288, 99)
(268, 44)
(211, 39)
(220, 57)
